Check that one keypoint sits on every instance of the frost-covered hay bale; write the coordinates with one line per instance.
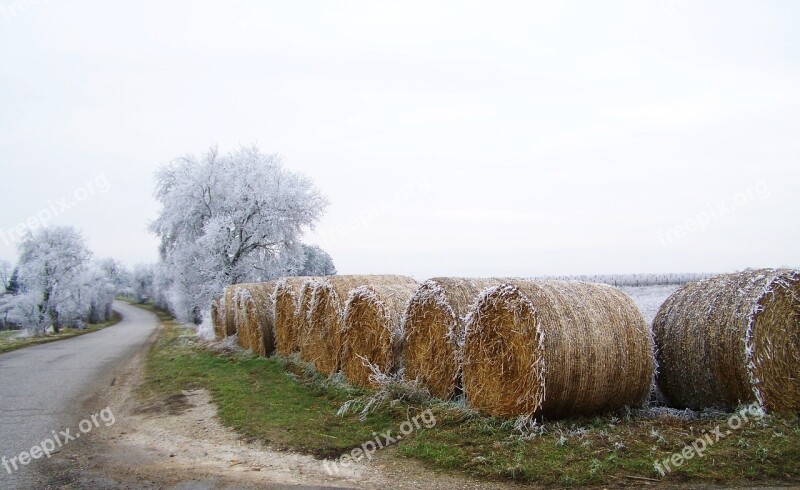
(371, 334)
(434, 332)
(556, 349)
(322, 343)
(256, 317)
(732, 339)
(292, 295)
(229, 300)
(301, 321)
(218, 318)
(242, 337)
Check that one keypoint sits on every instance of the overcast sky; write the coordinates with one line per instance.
(452, 138)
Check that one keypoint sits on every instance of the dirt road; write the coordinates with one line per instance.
(178, 442)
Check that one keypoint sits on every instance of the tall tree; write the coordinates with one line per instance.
(143, 282)
(51, 267)
(226, 219)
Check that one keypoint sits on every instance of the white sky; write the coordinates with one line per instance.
(452, 138)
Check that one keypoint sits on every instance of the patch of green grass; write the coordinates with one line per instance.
(259, 398)
(9, 341)
(592, 452)
(284, 403)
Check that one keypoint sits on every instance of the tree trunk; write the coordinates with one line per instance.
(56, 321)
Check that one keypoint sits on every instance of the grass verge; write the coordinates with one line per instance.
(282, 402)
(9, 342)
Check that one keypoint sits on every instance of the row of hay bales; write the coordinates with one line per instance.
(548, 348)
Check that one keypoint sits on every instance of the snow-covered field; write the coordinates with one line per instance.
(649, 298)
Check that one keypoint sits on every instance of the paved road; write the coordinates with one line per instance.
(43, 388)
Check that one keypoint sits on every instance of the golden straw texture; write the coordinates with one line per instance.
(322, 337)
(292, 295)
(732, 339)
(256, 316)
(434, 332)
(229, 297)
(371, 332)
(556, 349)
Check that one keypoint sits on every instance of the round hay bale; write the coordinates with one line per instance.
(322, 344)
(218, 318)
(301, 319)
(229, 301)
(292, 296)
(242, 335)
(434, 332)
(732, 339)
(556, 349)
(256, 316)
(371, 334)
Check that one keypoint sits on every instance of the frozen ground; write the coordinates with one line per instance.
(649, 298)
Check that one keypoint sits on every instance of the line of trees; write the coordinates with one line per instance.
(225, 219)
(57, 283)
(638, 279)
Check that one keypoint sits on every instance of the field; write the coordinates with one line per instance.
(284, 403)
(649, 298)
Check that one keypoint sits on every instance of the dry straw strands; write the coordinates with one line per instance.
(302, 315)
(371, 332)
(255, 317)
(732, 339)
(434, 332)
(321, 343)
(292, 297)
(556, 349)
(229, 309)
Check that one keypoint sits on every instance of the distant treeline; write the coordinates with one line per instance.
(637, 279)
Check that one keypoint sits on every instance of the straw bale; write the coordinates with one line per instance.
(371, 335)
(218, 317)
(292, 296)
(556, 349)
(434, 332)
(322, 337)
(732, 339)
(255, 317)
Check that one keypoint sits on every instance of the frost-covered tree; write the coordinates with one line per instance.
(6, 308)
(115, 272)
(25, 310)
(52, 264)
(6, 271)
(57, 283)
(316, 262)
(101, 284)
(13, 282)
(143, 282)
(228, 218)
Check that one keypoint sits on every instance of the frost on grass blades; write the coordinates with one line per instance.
(54, 208)
(706, 440)
(372, 211)
(720, 209)
(53, 444)
(426, 419)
